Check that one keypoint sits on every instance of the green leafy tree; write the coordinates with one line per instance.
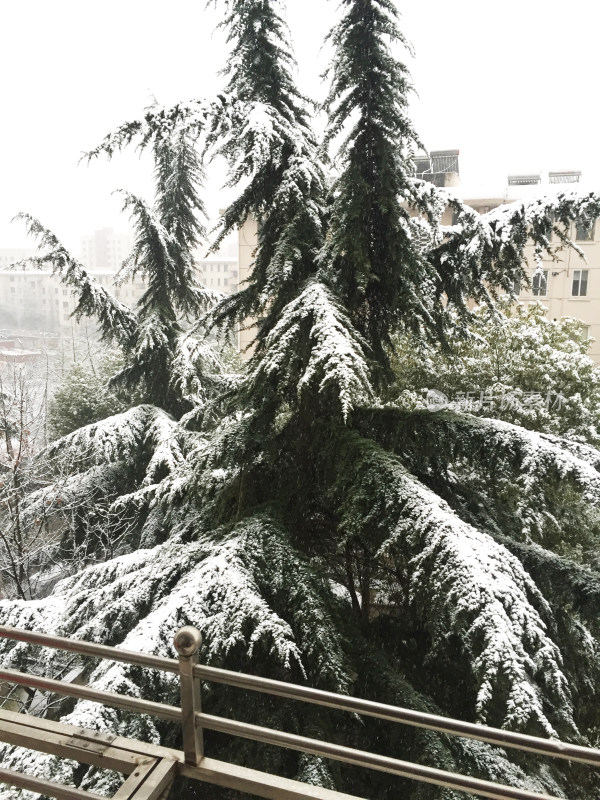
(84, 395)
(518, 366)
(314, 533)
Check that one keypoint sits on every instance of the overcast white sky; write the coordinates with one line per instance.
(511, 84)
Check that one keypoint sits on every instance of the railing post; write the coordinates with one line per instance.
(187, 643)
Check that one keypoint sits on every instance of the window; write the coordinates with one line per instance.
(517, 286)
(584, 231)
(552, 219)
(580, 282)
(539, 284)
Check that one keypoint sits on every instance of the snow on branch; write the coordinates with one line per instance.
(152, 242)
(462, 582)
(538, 486)
(160, 123)
(249, 592)
(315, 327)
(488, 250)
(196, 369)
(138, 600)
(165, 439)
(539, 455)
(72, 493)
(109, 441)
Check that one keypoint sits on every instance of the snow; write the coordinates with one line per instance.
(463, 583)
(336, 361)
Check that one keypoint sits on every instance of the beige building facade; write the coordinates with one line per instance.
(105, 249)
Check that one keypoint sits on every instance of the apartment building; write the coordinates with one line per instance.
(24, 294)
(105, 249)
(568, 287)
(36, 300)
(219, 274)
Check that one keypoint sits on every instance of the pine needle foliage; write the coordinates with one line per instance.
(314, 532)
(167, 235)
(379, 275)
(273, 153)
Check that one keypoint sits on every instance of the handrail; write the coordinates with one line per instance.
(90, 649)
(94, 695)
(407, 716)
(362, 758)
(292, 691)
(193, 720)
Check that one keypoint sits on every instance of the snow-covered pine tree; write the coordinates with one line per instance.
(165, 369)
(434, 560)
(268, 141)
(379, 275)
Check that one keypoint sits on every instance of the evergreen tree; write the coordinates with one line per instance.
(272, 151)
(152, 339)
(380, 277)
(429, 559)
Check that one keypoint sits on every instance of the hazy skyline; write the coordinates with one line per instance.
(510, 84)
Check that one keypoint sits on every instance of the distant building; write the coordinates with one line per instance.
(439, 167)
(105, 250)
(36, 300)
(219, 274)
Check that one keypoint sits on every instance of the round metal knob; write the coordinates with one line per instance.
(187, 641)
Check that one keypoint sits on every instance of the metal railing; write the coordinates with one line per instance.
(193, 721)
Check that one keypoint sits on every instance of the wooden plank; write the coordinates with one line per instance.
(133, 782)
(125, 755)
(65, 742)
(160, 778)
(231, 776)
(47, 788)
